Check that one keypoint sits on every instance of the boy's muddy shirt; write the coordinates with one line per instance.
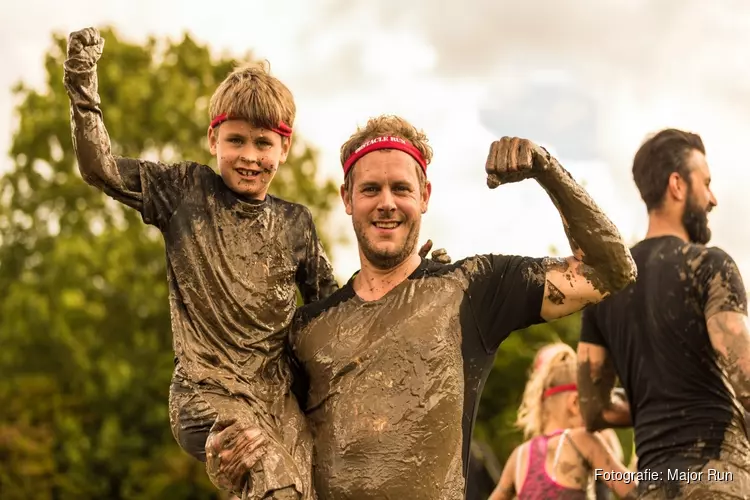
(685, 415)
(394, 383)
(233, 267)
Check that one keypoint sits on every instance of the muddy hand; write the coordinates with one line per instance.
(425, 249)
(440, 255)
(512, 159)
(232, 453)
(86, 44)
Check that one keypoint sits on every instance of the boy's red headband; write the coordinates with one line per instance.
(384, 142)
(559, 388)
(283, 129)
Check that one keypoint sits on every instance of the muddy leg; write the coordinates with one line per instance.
(288, 493)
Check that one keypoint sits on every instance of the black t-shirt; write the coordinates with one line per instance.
(684, 413)
(394, 383)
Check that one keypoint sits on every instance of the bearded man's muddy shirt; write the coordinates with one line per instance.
(394, 384)
(684, 413)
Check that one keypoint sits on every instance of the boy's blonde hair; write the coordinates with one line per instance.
(251, 93)
(560, 369)
(387, 125)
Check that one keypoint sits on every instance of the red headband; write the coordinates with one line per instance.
(283, 129)
(559, 388)
(385, 142)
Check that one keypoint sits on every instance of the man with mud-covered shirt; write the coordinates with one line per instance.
(677, 338)
(396, 359)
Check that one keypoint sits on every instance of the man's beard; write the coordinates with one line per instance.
(385, 260)
(695, 220)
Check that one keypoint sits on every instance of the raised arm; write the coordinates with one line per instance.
(90, 138)
(154, 189)
(601, 263)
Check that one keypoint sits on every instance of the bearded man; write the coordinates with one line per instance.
(677, 338)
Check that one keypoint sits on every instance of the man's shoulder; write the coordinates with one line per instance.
(705, 260)
(689, 256)
(309, 312)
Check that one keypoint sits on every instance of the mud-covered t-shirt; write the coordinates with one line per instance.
(684, 413)
(394, 383)
(234, 267)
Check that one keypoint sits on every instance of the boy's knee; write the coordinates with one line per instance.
(193, 441)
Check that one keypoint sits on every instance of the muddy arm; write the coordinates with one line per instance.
(601, 407)
(730, 339)
(601, 263)
(91, 142)
(602, 460)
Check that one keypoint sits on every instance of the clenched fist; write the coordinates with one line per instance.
(86, 44)
(512, 159)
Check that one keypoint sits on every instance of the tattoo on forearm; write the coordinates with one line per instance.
(592, 236)
(734, 360)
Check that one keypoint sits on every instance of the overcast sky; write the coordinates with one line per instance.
(589, 80)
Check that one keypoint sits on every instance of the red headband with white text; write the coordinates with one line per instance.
(283, 129)
(385, 142)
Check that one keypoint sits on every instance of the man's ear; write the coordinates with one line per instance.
(677, 187)
(426, 193)
(346, 198)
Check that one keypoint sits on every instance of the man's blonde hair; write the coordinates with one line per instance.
(387, 125)
(251, 93)
(560, 369)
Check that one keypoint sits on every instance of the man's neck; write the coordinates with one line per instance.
(372, 283)
(662, 225)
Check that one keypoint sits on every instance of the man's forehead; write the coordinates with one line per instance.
(386, 164)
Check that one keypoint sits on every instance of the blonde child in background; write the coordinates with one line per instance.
(559, 457)
(596, 490)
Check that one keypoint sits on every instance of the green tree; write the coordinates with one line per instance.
(86, 354)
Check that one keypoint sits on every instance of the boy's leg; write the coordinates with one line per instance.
(191, 419)
(284, 494)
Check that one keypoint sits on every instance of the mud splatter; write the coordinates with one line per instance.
(608, 263)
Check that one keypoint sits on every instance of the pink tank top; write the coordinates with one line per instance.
(538, 484)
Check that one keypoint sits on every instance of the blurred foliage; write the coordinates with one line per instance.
(86, 354)
(505, 384)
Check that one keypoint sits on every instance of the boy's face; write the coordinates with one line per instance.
(247, 156)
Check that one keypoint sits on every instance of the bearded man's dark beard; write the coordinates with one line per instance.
(695, 220)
